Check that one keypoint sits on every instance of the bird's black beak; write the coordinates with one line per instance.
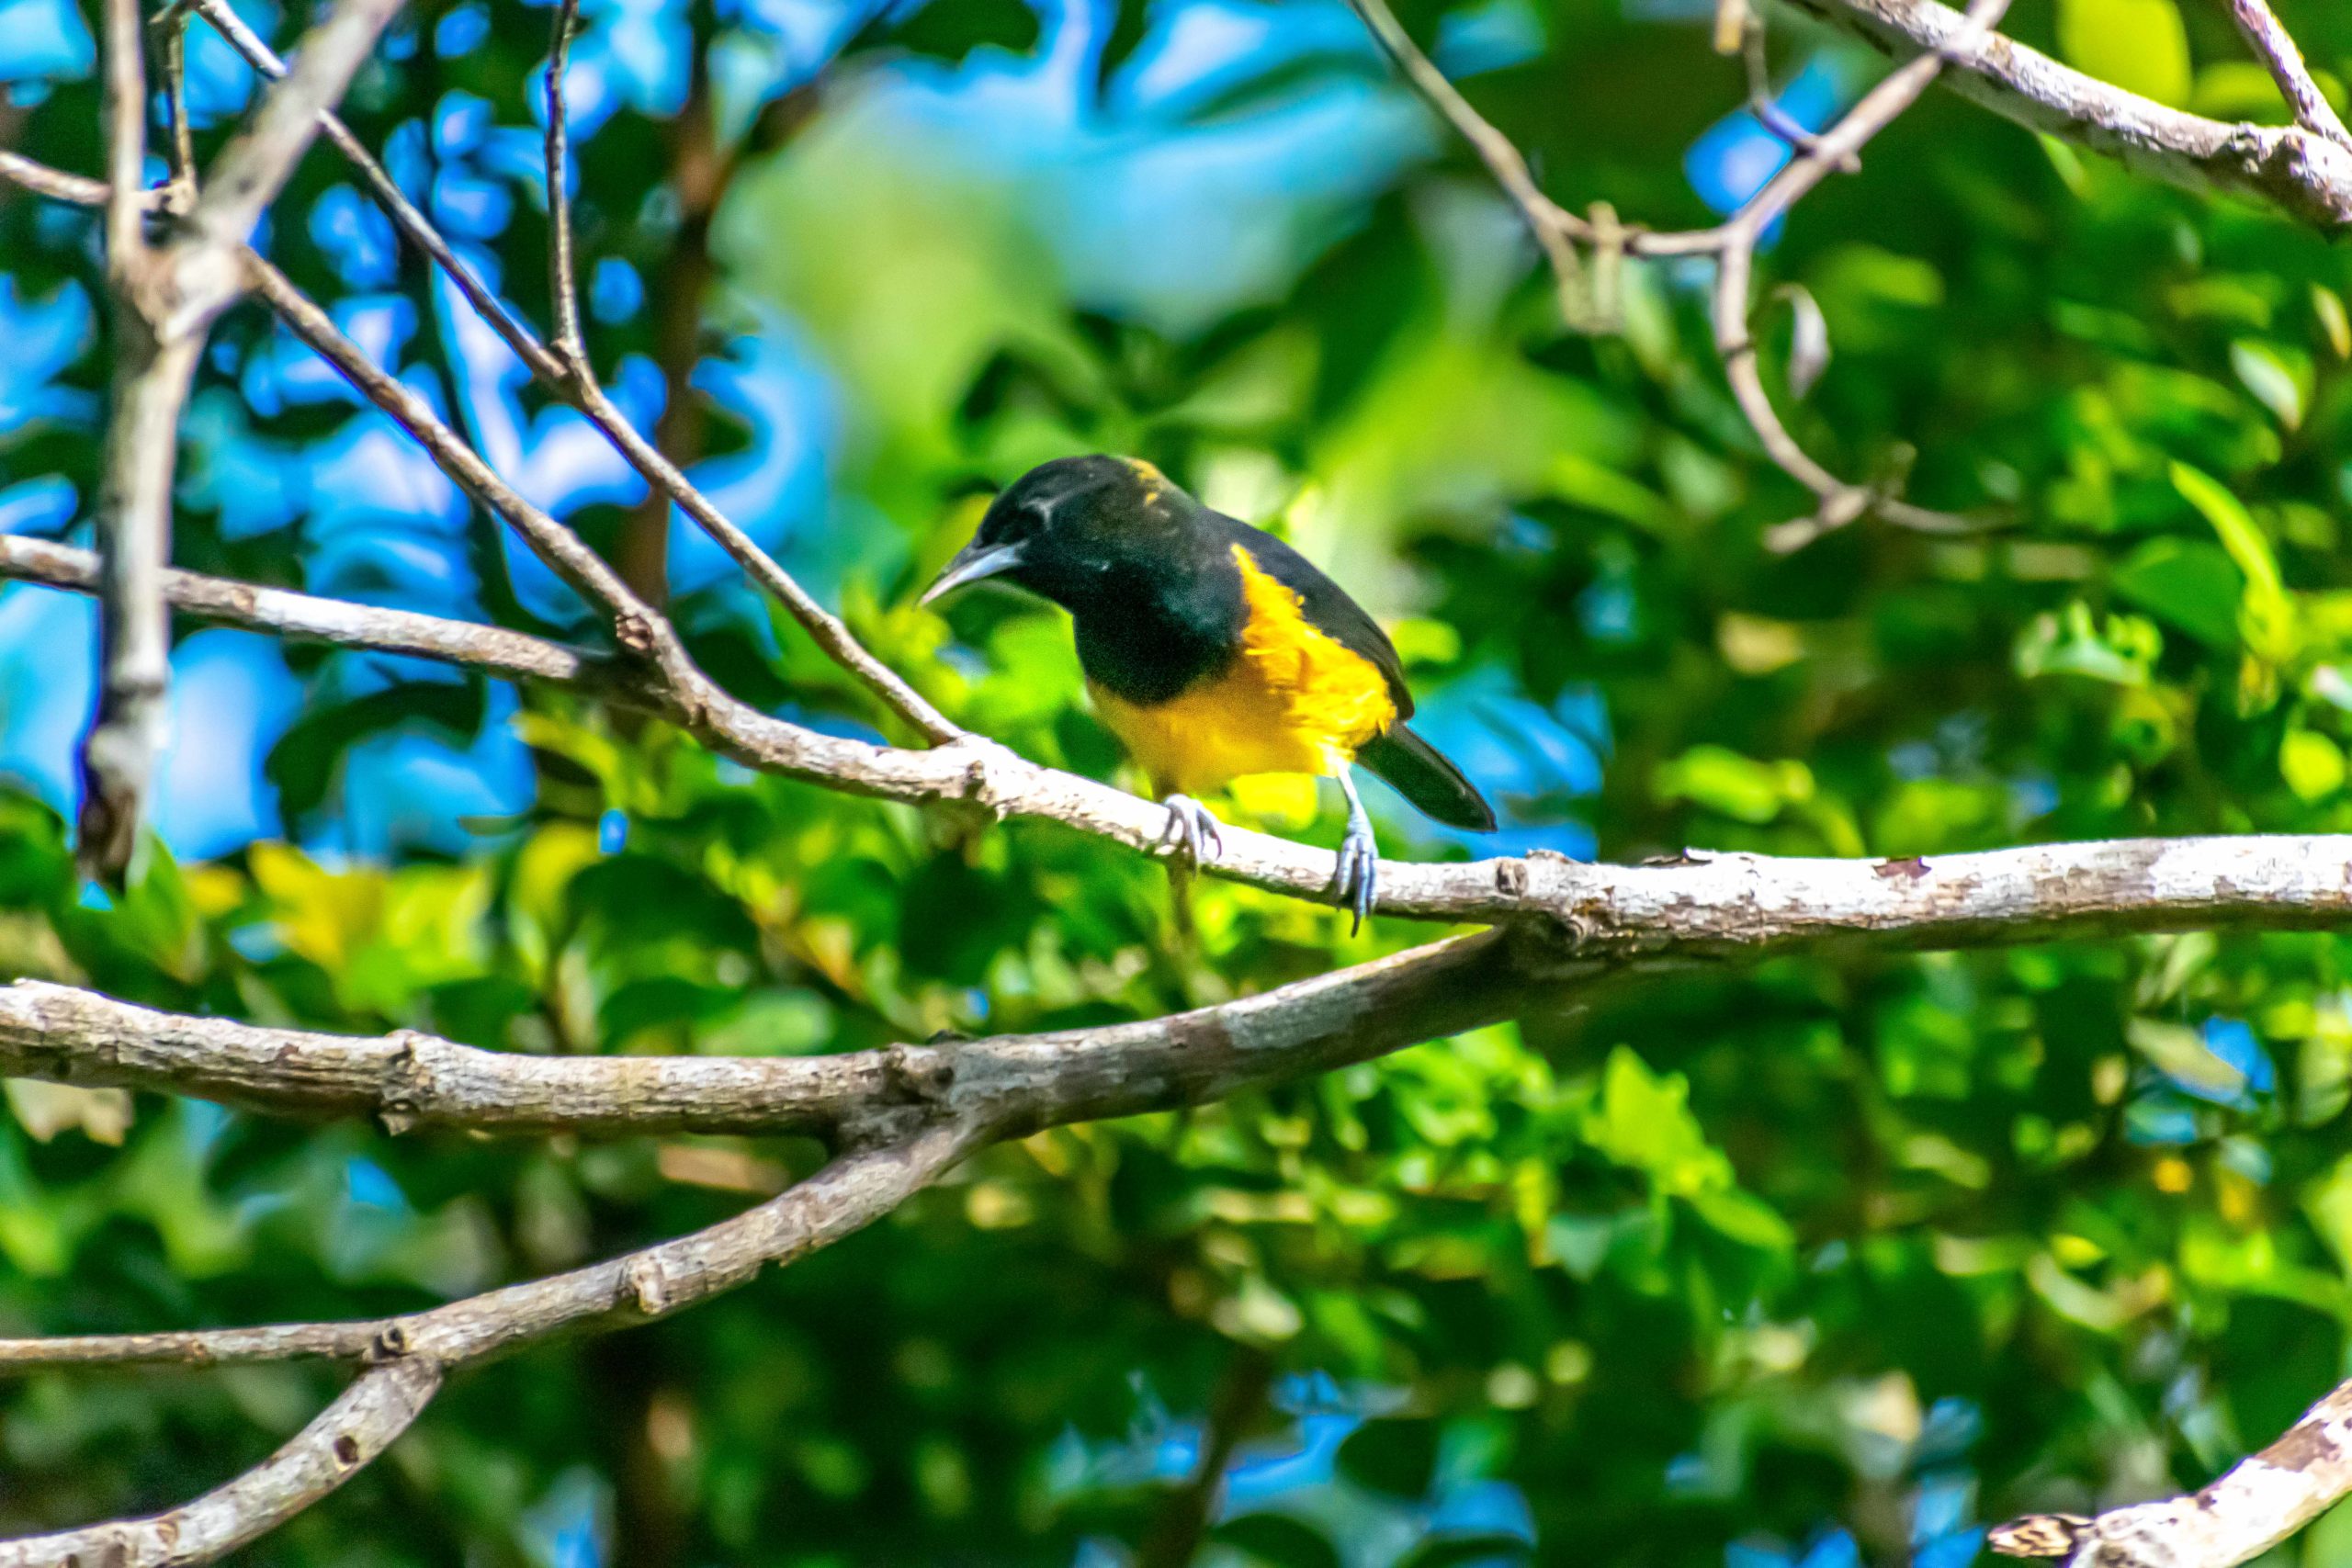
(973, 562)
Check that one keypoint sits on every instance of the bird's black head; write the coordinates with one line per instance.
(1072, 529)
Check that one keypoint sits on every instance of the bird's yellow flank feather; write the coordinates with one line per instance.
(1295, 700)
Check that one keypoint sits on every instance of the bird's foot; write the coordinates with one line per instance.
(1192, 833)
(1355, 879)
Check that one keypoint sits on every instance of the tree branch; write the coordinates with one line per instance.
(334, 1448)
(1186, 1513)
(2308, 176)
(134, 502)
(1838, 502)
(1576, 924)
(304, 617)
(581, 389)
(404, 213)
(1733, 244)
(2284, 61)
(164, 302)
(2259, 1503)
(412, 1353)
(563, 284)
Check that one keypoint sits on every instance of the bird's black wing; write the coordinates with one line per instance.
(1327, 606)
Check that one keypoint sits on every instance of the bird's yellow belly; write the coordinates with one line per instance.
(1292, 701)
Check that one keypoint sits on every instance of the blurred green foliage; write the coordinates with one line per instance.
(1884, 1246)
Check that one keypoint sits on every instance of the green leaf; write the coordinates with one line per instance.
(1277, 1540)
(2267, 615)
(2139, 45)
(2311, 765)
(2281, 382)
(2191, 584)
(2240, 534)
(1485, 1551)
(1397, 1456)
(1740, 787)
(1745, 1218)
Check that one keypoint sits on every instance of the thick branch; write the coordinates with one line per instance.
(135, 494)
(2255, 1505)
(2307, 175)
(1588, 919)
(164, 302)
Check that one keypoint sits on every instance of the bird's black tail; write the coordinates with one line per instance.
(1422, 776)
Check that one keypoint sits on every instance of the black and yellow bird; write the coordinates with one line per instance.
(1213, 650)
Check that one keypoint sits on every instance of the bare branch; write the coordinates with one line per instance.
(170, 32)
(563, 283)
(1733, 244)
(134, 504)
(126, 112)
(164, 302)
(1838, 502)
(334, 1448)
(250, 172)
(636, 1287)
(1556, 230)
(573, 380)
(2259, 1503)
(414, 1353)
(404, 215)
(1186, 1513)
(1574, 925)
(2306, 175)
(2284, 61)
(579, 384)
(1761, 102)
(494, 650)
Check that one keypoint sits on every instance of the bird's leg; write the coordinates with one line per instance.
(1354, 878)
(1192, 833)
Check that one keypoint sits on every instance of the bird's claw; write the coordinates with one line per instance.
(1354, 880)
(1192, 833)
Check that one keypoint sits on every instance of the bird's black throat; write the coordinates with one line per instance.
(1159, 626)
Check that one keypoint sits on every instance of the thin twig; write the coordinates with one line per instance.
(563, 284)
(1837, 502)
(1186, 1513)
(1556, 230)
(170, 33)
(304, 617)
(412, 223)
(1764, 104)
(579, 387)
(2285, 63)
(1733, 244)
